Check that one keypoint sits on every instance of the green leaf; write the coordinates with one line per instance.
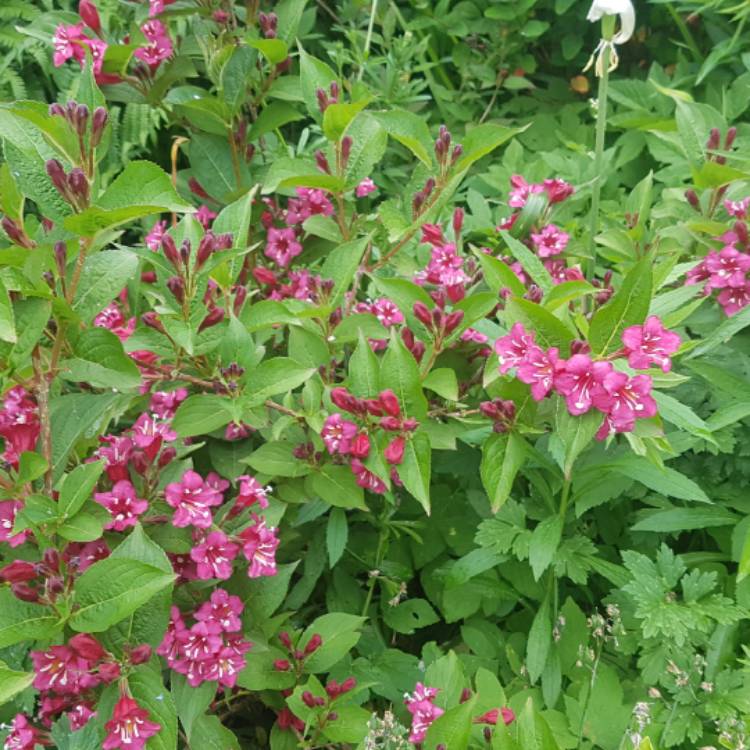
(743, 570)
(84, 526)
(314, 74)
(272, 117)
(415, 470)
(628, 307)
(338, 486)
(146, 685)
(502, 458)
(498, 275)
(548, 329)
(211, 163)
(273, 376)
(112, 589)
(452, 729)
(530, 262)
(7, 318)
(364, 370)
(210, 734)
(545, 539)
(202, 413)
(685, 519)
(482, 140)
(665, 480)
(674, 411)
(443, 381)
(409, 615)
(337, 533)
(103, 277)
(400, 373)
(338, 117)
(24, 622)
(575, 433)
(12, 682)
(190, 702)
(340, 266)
(234, 79)
(567, 292)
(77, 487)
(31, 466)
(721, 334)
(101, 362)
(274, 50)
(141, 189)
(277, 459)
(409, 130)
(539, 642)
(340, 632)
(369, 142)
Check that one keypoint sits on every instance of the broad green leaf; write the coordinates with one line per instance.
(272, 117)
(338, 117)
(628, 307)
(337, 533)
(7, 318)
(453, 728)
(112, 589)
(482, 140)
(104, 276)
(409, 615)
(502, 458)
(531, 264)
(24, 622)
(12, 682)
(145, 683)
(545, 539)
(400, 373)
(498, 275)
(77, 487)
(539, 641)
(684, 519)
(574, 432)
(364, 370)
(273, 376)
(208, 733)
(277, 459)
(100, 361)
(548, 330)
(409, 130)
(721, 334)
(339, 632)
(274, 50)
(340, 266)
(416, 468)
(235, 78)
(665, 480)
(190, 702)
(443, 381)
(567, 292)
(338, 486)
(202, 413)
(314, 74)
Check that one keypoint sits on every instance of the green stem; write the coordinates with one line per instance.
(601, 130)
(685, 31)
(373, 579)
(368, 39)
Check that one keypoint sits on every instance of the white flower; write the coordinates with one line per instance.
(622, 8)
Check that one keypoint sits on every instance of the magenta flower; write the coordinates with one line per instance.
(192, 499)
(423, 711)
(521, 190)
(560, 272)
(222, 608)
(81, 557)
(697, 274)
(61, 670)
(727, 268)
(367, 479)
(226, 667)
(80, 715)
(650, 344)
(23, 736)
(338, 434)
(117, 453)
(159, 48)
(260, 543)
(155, 235)
(550, 241)
(19, 424)
(8, 511)
(122, 504)
(164, 403)
(156, 7)
(201, 642)
(446, 266)
(251, 491)
(539, 369)
(282, 245)
(512, 349)
(365, 187)
(737, 209)
(169, 647)
(112, 319)
(149, 433)
(623, 400)
(576, 380)
(472, 336)
(205, 216)
(214, 556)
(309, 202)
(66, 42)
(557, 190)
(387, 312)
(129, 727)
(734, 299)
(236, 431)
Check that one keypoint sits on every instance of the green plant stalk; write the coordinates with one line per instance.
(601, 131)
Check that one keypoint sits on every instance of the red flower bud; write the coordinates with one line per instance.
(215, 316)
(109, 671)
(422, 313)
(714, 139)
(322, 162)
(344, 400)
(374, 407)
(90, 15)
(360, 446)
(86, 646)
(282, 665)
(729, 140)
(333, 688)
(286, 641)
(177, 286)
(348, 684)
(495, 714)
(389, 402)
(151, 319)
(394, 452)
(19, 571)
(453, 320)
(205, 249)
(322, 98)
(346, 149)
(409, 425)
(197, 189)
(98, 123)
(458, 220)
(140, 654)
(313, 644)
(24, 592)
(391, 424)
(308, 699)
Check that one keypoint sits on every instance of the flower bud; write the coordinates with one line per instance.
(332, 716)
(86, 646)
(197, 189)
(282, 665)
(15, 233)
(322, 98)
(24, 592)
(61, 258)
(19, 571)
(308, 699)
(740, 229)
(81, 119)
(185, 249)
(56, 109)
(391, 424)
(334, 89)
(465, 695)
(360, 445)
(389, 402)
(458, 151)
(394, 452)
(729, 140)
(429, 186)
(109, 671)
(346, 149)
(151, 319)
(344, 400)
(322, 162)
(348, 684)
(78, 185)
(264, 276)
(215, 316)
(170, 250)
(177, 286)
(315, 642)
(692, 199)
(714, 139)
(89, 15)
(458, 220)
(422, 314)
(205, 249)
(98, 123)
(140, 654)
(56, 173)
(285, 639)
(51, 560)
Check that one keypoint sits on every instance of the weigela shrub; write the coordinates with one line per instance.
(311, 423)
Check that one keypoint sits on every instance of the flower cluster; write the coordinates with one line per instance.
(212, 649)
(19, 424)
(726, 270)
(129, 727)
(343, 437)
(420, 704)
(585, 383)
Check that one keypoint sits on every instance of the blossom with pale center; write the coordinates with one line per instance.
(123, 505)
(650, 344)
(129, 727)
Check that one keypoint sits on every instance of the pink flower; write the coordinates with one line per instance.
(164, 403)
(577, 379)
(81, 557)
(521, 190)
(423, 711)
(727, 268)
(251, 491)
(169, 646)
(738, 209)
(512, 349)
(61, 670)
(227, 666)
(259, 548)
(156, 7)
(446, 266)
(8, 511)
(214, 556)
(734, 299)
(192, 499)
(387, 312)
(23, 736)
(117, 451)
(560, 272)
(149, 433)
(112, 319)
(122, 504)
(19, 424)
(222, 608)
(155, 235)
(623, 400)
(338, 434)
(201, 641)
(159, 49)
(282, 245)
(205, 216)
(557, 190)
(472, 336)
(236, 431)
(129, 727)
(367, 479)
(650, 344)
(550, 241)
(80, 715)
(491, 717)
(66, 42)
(310, 202)
(365, 187)
(539, 369)
(697, 274)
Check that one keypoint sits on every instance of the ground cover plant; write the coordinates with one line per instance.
(366, 383)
